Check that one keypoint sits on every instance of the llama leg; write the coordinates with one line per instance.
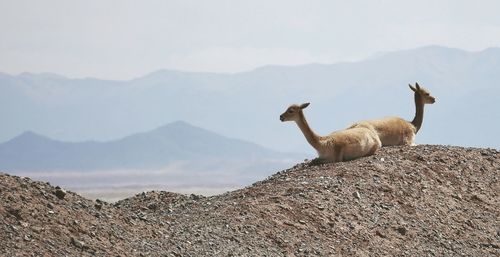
(412, 140)
(319, 161)
(376, 145)
(338, 153)
(373, 150)
(409, 140)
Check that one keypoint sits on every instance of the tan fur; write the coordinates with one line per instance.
(338, 146)
(395, 130)
(391, 130)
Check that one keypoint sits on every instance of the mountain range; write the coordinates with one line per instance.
(247, 105)
(177, 156)
(174, 142)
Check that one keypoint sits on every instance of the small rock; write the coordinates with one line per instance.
(385, 206)
(60, 193)
(457, 196)
(82, 204)
(50, 205)
(380, 234)
(357, 195)
(379, 167)
(476, 198)
(402, 230)
(470, 223)
(15, 212)
(196, 197)
(152, 206)
(77, 243)
(490, 245)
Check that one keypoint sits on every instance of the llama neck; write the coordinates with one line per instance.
(311, 137)
(419, 112)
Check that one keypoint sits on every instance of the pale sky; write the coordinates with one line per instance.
(127, 39)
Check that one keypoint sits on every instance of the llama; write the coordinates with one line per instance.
(395, 130)
(338, 146)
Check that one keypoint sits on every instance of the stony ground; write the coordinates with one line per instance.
(418, 201)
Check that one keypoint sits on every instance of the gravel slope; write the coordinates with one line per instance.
(403, 201)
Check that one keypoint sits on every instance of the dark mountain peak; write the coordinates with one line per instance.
(162, 72)
(493, 48)
(164, 75)
(28, 138)
(490, 51)
(286, 68)
(181, 128)
(172, 142)
(438, 48)
(179, 124)
(3, 74)
(30, 135)
(431, 51)
(159, 76)
(44, 75)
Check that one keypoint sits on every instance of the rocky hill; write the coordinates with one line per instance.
(403, 201)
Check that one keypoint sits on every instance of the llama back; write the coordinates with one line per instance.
(390, 130)
(355, 142)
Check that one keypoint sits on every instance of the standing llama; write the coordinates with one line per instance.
(395, 130)
(338, 146)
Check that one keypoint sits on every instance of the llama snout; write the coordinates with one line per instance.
(282, 118)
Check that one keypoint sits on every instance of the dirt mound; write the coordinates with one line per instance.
(404, 201)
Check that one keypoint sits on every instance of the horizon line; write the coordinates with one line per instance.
(371, 57)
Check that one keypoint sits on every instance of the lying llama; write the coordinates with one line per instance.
(338, 146)
(395, 130)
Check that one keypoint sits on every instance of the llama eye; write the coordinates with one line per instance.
(290, 111)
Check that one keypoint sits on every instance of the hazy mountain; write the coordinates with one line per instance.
(177, 156)
(247, 105)
(175, 142)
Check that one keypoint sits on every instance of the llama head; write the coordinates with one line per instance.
(293, 112)
(423, 93)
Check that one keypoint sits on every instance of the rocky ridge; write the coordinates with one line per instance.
(404, 201)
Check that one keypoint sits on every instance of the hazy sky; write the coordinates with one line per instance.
(126, 39)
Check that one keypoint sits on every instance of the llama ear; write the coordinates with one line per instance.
(412, 88)
(304, 105)
(418, 87)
